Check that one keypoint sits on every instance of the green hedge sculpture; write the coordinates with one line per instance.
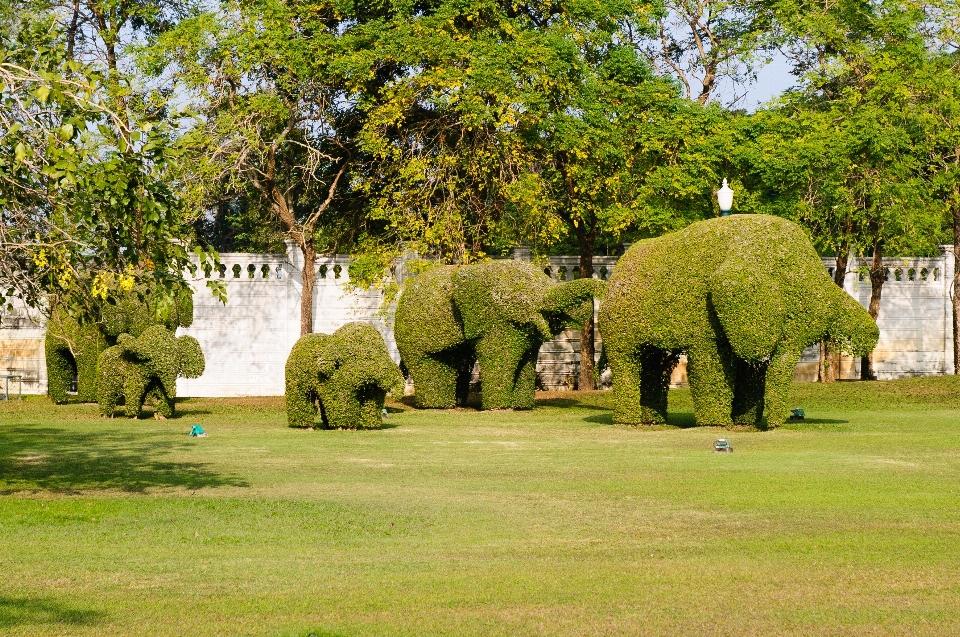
(346, 375)
(742, 296)
(148, 365)
(498, 313)
(73, 349)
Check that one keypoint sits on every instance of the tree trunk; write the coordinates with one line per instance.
(955, 297)
(877, 277)
(829, 355)
(308, 274)
(587, 240)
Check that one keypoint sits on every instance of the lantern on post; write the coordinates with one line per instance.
(725, 199)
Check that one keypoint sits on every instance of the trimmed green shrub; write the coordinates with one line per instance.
(72, 349)
(345, 375)
(742, 296)
(497, 313)
(147, 366)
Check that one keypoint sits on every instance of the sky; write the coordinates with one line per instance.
(772, 80)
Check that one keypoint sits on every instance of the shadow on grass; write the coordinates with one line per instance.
(678, 420)
(67, 461)
(26, 611)
(566, 403)
(187, 412)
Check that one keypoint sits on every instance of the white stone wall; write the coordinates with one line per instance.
(915, 320)
(246, 341)
(21, 350)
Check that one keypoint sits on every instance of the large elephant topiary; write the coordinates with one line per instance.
(148, 365)
(346, 375)
(497, 313)
(742, 296)
(72, 349)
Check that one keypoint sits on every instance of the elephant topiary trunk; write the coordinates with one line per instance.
(345, 376)
(742, 296)
(497, 313)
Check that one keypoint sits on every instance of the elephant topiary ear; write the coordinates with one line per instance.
(192, 362)
(327, 358)
(748, 304)
(497, 292)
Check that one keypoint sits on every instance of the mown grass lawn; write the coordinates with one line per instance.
(551, 522)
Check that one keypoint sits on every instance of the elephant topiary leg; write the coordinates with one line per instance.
(779, 376)
(341, 405)
(61, 369)
(87, 374)
(711, 374)
(371, 399)
(748, 393)
(301, 401)
(134, 391)
(525, 382)
(625, 370)
(434, 381)
(501, 352)
(656, 365)
(162, 399)
(112, 371)
(641, 382)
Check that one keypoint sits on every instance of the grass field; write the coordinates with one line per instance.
(551, 522)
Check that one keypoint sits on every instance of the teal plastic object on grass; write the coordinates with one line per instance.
(197, 432)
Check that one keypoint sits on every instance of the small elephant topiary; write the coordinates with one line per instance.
(345, 375)
(148, 365)
(498, 313)
(742, 296)
(72, 349)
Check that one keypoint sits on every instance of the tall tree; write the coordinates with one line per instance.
(84, 189)
(859, 135)
(512, 122)
(273, 112)
(713, 47)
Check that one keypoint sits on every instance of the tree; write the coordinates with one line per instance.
(711, 46)
(848, 141)
(87, 207)
(511, 123)
(273, 113)
(940, 108)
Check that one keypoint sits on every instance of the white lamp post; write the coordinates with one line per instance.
(725, 199)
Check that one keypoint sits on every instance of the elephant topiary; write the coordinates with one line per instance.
(497, 313)
(72, 349)
(148, 365)
(347, 375)
(742, 296)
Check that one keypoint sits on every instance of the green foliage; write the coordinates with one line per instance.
(497, 313)
(346, 375)
(742, 296)
(87, 162)
(72, 348)
(146, 366)
(487, 109)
